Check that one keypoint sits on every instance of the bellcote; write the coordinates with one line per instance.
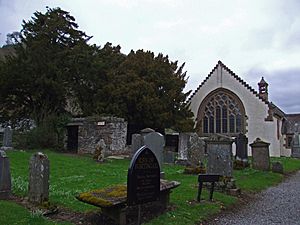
(263, 89)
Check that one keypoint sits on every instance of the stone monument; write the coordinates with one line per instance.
(296, 146)
(219, 151)
(5, 178)
(38, 191)
(153, 140)
(191, 148)
(260, 155)
(7, 139)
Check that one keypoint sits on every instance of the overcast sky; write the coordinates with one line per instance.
(254, 38)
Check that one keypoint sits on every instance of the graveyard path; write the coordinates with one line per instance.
(276, 205)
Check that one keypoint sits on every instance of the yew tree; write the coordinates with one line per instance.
(147, 90)
(51, 55)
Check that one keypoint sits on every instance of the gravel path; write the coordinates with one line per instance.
(276, 205)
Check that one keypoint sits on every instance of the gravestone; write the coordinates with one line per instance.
(260, 155)
(219, 151)
(196, 150)
(241, 142)
(153, 140)
(136, 142)
(143, 179)
(183, 146)
(191, 148)
(296, 146)
(5, 178)
(169, 156)
(277, 167)
(38, 191)
(7, 139)
(156, 142)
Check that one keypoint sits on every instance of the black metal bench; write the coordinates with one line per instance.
(212, 178)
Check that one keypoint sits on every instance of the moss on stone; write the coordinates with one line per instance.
(118, 191)
(105, 197)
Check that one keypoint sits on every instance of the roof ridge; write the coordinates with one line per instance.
(203, 82)
(239, 79)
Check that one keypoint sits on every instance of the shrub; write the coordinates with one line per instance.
(48, 134)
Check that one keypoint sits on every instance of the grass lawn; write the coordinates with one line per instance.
(71, 174)
(13, 214)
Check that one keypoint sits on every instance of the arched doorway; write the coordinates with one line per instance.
(221, 112)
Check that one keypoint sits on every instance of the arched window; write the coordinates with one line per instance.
(221, 112)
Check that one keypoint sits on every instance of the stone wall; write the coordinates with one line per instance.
(108, 133)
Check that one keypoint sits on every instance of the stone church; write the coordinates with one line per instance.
(225, 104)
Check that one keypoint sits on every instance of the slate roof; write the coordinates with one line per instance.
(291, 123)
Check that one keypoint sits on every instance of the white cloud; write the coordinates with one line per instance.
(246, 35)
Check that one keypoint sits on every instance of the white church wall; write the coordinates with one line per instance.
(256, 110)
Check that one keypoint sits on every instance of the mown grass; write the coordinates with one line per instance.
(253, 180)
(14, 214)
(69, 175)
(72, 174)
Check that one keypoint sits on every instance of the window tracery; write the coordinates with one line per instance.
(221, 113)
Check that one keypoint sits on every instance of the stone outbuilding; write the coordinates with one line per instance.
(85, 135)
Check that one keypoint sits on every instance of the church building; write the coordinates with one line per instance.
(225, 104)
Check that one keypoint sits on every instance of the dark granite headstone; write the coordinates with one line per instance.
(38, 191)
(219, 151)
(143, 179)
(5, 177)
(260, 155)
(296, 146)
(241, 142)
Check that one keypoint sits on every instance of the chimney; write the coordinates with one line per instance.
(263, 89)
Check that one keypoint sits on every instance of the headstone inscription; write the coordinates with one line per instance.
(38, 191)
(260, 155)
(5, 177)
(296, 146)
(143, 179)
(7, 139)
(219, 151)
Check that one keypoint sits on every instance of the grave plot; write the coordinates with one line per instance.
(144, 189)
